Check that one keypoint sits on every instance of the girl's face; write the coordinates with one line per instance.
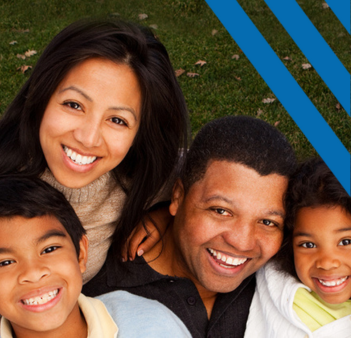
(322, 252)
(90, 121)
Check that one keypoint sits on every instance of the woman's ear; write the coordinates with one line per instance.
(177, 197)
(83, 253)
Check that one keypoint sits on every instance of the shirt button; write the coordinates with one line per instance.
(171, 281)
(191, 301)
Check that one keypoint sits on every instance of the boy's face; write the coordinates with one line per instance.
(322, 252)
(40, 275)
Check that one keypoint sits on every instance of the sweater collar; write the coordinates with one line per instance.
(79, 195)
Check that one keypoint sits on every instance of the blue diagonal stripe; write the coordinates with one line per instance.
(342, 9)
(284, 86)
(314, 47)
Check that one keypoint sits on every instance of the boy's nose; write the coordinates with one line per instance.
(33, 273)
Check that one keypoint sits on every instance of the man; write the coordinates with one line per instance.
(228, 222)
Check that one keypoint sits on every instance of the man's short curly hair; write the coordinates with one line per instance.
(313, 185)
(240, 139)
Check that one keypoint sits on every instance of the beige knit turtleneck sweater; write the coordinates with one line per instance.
(98, 206)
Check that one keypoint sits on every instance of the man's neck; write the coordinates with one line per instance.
(166, 259)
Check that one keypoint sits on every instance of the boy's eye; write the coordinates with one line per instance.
(308, 245)
(7, 262)
(50, 249)
(346, 241)
(73, 105)
(117, 120)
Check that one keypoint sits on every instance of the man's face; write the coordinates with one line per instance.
(228, 225)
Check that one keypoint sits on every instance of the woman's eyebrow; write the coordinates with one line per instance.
(76, 90)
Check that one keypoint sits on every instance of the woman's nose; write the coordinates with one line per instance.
(89, 133)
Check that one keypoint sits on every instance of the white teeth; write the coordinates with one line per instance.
(233, 261)
(334, 282)
(42, 299)
(78, 158)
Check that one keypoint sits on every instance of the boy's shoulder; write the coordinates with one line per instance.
(139, 316)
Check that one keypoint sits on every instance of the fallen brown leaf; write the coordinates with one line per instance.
(268, 100)
(236, 57)
(192, 74)
(286, 58)
(154, 26)
(24, 68)
(276, 123)
(21, 30)
(142, 16)
(259, 112)
(201, 63)
(213, 32)
(29, 53)
(306, 65)
(20, 56)
(325, 5)
(13, 43)
(338, 106)
(179, 72)
(238, 78)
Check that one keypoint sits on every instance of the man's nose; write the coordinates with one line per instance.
(241, 235)
(89, 133)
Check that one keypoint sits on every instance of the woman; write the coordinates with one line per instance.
(101, 118)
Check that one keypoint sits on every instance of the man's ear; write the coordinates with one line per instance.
(83, 253)
(178, 193)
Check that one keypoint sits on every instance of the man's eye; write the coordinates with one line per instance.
(117, 120)
(221, 211)
(73, 105)
(346, 241)
(308, 245)
(269, 223)
(50, 249)
(7, 262)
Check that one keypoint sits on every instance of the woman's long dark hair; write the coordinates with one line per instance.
(164, 118)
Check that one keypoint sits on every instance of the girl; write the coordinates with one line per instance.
(313, 298)
(102, 119)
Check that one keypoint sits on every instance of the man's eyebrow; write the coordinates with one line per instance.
(218, 197)
(76, 90)
(276, 213)
(49, 234)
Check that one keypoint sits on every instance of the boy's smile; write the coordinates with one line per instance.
(40, 274)
(322, 252)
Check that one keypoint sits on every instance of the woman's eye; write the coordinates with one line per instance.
(117, 120)
(73, 105)
(308, 245)
(346, 241)
(7, 262)
(50, 249)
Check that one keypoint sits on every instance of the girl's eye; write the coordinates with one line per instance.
(117, 120)
(308, 245)
(50, 249)
(5, 263)
(73, 105)
(346, 241)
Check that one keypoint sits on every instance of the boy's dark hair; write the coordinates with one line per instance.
(241, 139)
(313, 185)
(31, 198)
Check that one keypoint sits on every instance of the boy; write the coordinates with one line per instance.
(43, 252)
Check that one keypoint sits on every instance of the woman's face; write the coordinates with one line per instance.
(90, 121)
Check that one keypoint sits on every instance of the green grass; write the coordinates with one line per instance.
(185, 27)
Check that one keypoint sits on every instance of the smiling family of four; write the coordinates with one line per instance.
(102, 119)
